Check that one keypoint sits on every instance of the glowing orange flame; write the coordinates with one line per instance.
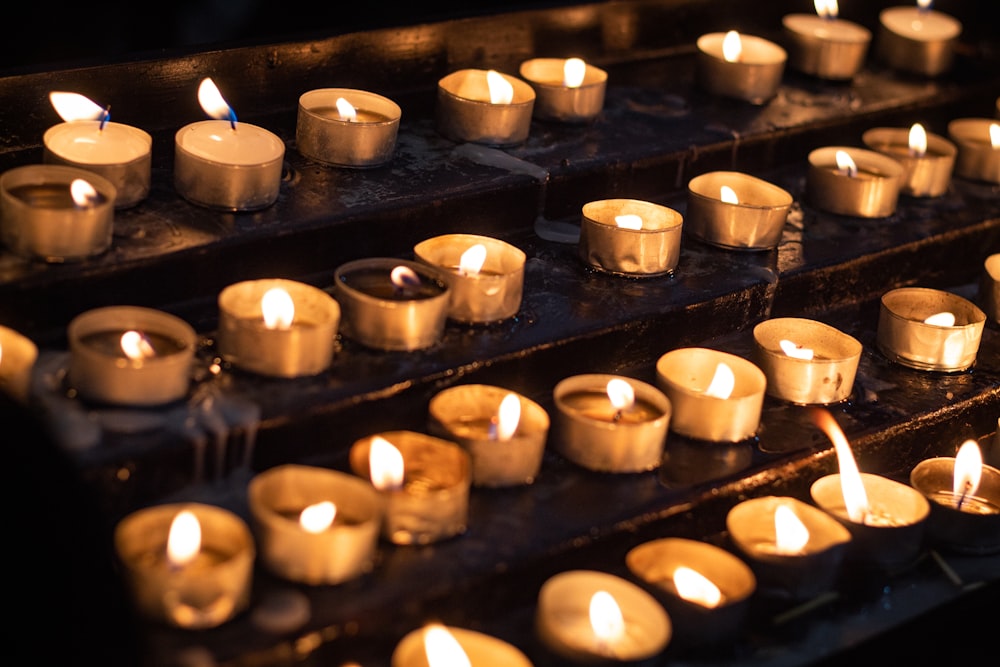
(212, 102)
(184, 539)
(795, 351)
(277, 308)
(628, 221)
(620, 393)
(723, 382)
(851, 486)
(385, 464)
(826, 8)
(728, 195)
(574, 70)
(606, 618)
(82, 192)
(968, 468)
(845, 164)
(136, 346)
(918, 140)
(404, 276)
(732, 47)
(73, 106)
(508, 417)
(501, 90)
(790, 534)
(442, 649)
(346, 110)
(994, 136)
(695, 587)
(472, 260)
(944, 319)
(318, 517)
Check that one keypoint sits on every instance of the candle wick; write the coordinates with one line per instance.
(105, 117)
(232, 118)
(618, 415)
(492, 431)
(965, 494)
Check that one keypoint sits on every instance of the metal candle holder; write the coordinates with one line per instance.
(989, 287)
(872, 193)
(367, 141)
(18, 355)
(555, 100)
(754, 223)
(824, 47)
(973, 530)
(920, 41)
(464, 111)
(904, 337)
(653, 250)
(927, 175)
(754, 78)
(977, 159)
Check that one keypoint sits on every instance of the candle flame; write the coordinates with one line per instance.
(795, 351)
(508, 417)
(318, 517)
(918, 140)
(732, 47)
(385, 464)
(695, 587)
(472, 260)
(136, 346)
(442, 649)
(855, 496)
(184, 539)
(404, 276)
(994, 135)
(826, 9)
(606, 618)
(277, 308)
(790, 534)
(346, 110)
(83, 193)
(944, 319)
(628, 221)
(620, 393)
(723, 382)
(728, 195)
(213, 103)
(924, 4)
(574, 70)
(501, 90)
(845, 164)
(968, 469)
(74, 106)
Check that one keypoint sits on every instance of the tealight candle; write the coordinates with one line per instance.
(484, 107)
(56, 213)
(795, 550)
(313, 525)
(917, 39)
(887, 520)
(424, 481)
(130, 355)
(277, 327)
(737, 211)
(825, 46)
(435, 645)
(705, 590)
(716, 396)
(978, 141)
(588, 616)
(630, 237)
(989, 287)
(567, 90)
(964, 494)
(929, 329)
(504, 432)
(187, 564)
(392, 304)
(485, 275)
(927, 159)
(853, 181)
(608, 423)
(18, 354)
(89, 140)
(225, 165)
(740, 66)
(347, 128)
(805, 361)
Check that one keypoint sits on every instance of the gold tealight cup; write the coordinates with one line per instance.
(926, 172)
(929, 329)
(978, 141)
(736, 211)
(753, 74)
(868, 190)
(434, 643)
(918, 40)
(18, 355)
(347, 128)
(826, 47)
(989, 287)
(805, 361)
(562, 100)
(466, 111)
(630, 237)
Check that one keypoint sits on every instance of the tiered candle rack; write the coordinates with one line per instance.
(657, 131)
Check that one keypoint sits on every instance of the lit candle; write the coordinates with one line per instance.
(917, 39)
(56, 213)
(315, 526)
(437, 645)
(568, 90)
(824, 45)
(223, 164)
(740, 66)
(989, 287)
(347, 128)
(587, 616)
(130, 355)
(424, 482)
(705, 590)
(886, 519)
(978, 141)
(484, 107)
(794, 549)
(853, 181)
(731, 209)
(609, 423)
(805, 361)
(392, 304)
(927, 159)
(485, 275)
(187, 564)
(504, 432)
(18, 354)
(965, 500)
(277, 327)
(929, 329)
(703, 409)
(630, 237)
(88, 139)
